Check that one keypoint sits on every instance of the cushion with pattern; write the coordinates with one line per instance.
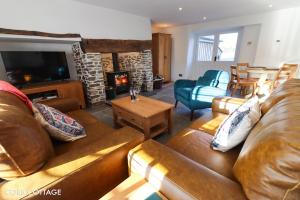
(59, 125)
(236, 127)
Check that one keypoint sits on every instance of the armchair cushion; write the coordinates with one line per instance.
(206, 94)
(184, 83)
(204, 81)
(185, 92)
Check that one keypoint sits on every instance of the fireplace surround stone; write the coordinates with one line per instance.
(92, 67)
(90, 72)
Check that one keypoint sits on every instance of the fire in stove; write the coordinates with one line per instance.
(121, 79)
(118, 80)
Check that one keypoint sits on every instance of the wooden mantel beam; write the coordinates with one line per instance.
(114, 46)
(89, 45)
(38, 33)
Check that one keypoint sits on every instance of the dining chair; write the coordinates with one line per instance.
(233, 77)
(242, 79)
(286, 72)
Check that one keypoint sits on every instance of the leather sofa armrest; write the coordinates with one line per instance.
(226, 105)
(63, 104)
(86, 172)
(178, 177)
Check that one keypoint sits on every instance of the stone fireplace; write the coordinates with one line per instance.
(119, 70)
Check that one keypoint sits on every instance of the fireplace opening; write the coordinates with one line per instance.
(118, 79)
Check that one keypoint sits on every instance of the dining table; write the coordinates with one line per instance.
(262, 73)
(265, 77)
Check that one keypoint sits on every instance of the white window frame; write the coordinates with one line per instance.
(216, 43)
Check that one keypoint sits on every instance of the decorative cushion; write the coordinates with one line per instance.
(24, 145)
(59, 125)
(237, 126)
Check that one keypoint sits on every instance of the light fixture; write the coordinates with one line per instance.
(180, 8)
(270, 5)
(204, 18)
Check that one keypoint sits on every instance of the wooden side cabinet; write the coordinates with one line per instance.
(64, 89)
(161, 53)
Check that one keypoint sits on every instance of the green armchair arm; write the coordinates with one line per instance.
(184, 83)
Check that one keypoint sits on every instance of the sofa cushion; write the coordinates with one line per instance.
(60, 126)
(178, 177)
(95, 131)
(83, 117)
(196, 146)
(25, 145)
(289, 88)
(9, 99)
(209, 122)
(268, 166)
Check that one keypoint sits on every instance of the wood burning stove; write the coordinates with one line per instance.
(118, 79)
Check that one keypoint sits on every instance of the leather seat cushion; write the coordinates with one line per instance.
(25, 145)
(209, 122)
(178, 177)
(83, 117)
(95, 130)
(196, 146)
(268, 166)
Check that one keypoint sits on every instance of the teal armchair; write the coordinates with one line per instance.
(199, 94)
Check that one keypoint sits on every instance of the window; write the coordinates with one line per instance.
(227, 46)
(206, 47)
(217, 47)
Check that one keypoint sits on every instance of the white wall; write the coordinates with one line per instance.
(67, 16)
(262, 30)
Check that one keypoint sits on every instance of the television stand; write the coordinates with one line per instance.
(62, 89)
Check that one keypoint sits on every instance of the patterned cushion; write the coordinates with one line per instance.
(237, 126)
(59, 125)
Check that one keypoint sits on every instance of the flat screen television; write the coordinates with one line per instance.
(28, 67)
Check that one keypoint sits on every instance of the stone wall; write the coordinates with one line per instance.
(107, 62)
(89, 71)
(139, 64)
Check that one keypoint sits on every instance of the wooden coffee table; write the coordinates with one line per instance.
(150, 116)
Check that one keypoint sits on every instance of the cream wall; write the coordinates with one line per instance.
(66, 16)
(273, 38)
(70, 16)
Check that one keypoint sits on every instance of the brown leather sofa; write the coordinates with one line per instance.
(266, 166)
(84, 169)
